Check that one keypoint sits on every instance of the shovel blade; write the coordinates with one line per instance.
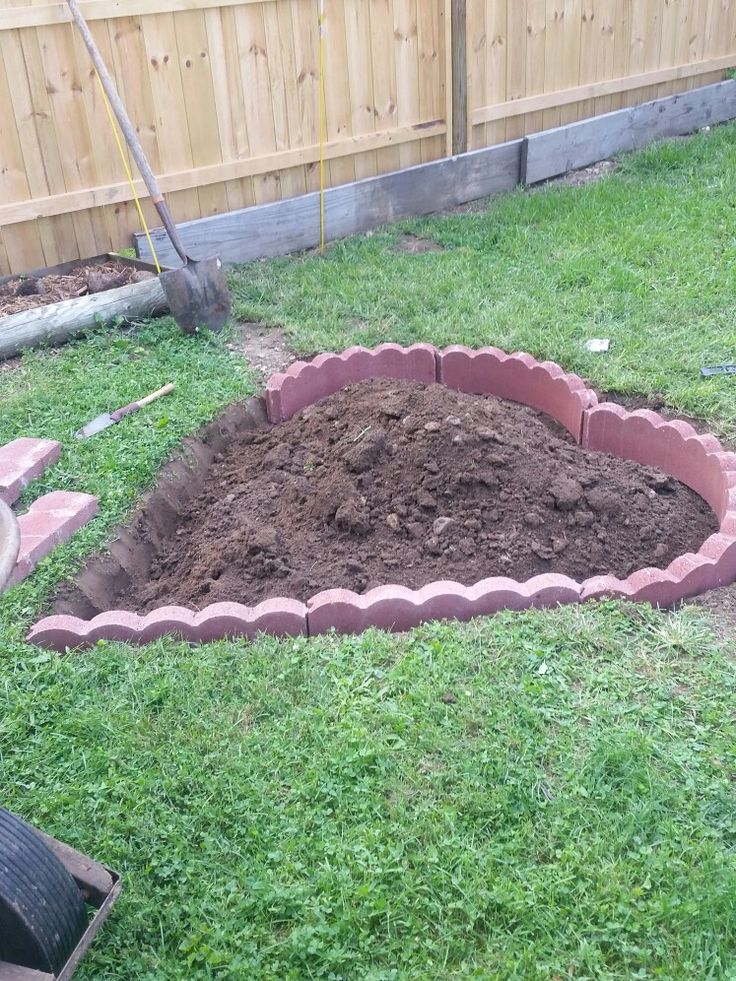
(197, 294)
(96, 426)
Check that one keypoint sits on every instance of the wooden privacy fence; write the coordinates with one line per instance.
(225, 95)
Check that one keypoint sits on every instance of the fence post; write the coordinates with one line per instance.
(459, 61)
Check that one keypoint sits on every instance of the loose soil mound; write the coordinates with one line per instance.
(399, 482)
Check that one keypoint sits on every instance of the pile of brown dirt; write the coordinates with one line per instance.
(405, 483)
(28, 292)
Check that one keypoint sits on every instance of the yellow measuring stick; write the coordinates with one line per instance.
(322, 126)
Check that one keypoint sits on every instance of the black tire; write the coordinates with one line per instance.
(42, 915)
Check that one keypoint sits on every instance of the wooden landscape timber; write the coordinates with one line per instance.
(557, 151)
(289, 226)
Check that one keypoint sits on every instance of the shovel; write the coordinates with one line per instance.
(197, 293)
(110, 418)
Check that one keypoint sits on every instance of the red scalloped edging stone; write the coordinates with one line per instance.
(700, 462)
(689, 575)
(674, 447)
(306, 382)
(519, 378)
(279, 617)
(398, 608)
(21, 461)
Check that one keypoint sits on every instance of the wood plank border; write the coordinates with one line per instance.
(293, 225)
(613, 86)
(556, 151)
(97, 197)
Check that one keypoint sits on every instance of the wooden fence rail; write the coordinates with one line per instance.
(225, 96)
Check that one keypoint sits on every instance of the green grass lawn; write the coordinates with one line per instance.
(534, 796)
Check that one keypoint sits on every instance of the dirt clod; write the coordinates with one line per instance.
(566, 493)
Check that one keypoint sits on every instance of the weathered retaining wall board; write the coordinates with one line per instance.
(289, 226)
(576, 145)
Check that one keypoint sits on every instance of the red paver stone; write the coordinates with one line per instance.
(698, 461)
(21, 461)
(398, 608)
(52, 519)
(672, 446)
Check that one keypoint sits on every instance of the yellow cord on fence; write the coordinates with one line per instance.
(128, 172)
(322, 115)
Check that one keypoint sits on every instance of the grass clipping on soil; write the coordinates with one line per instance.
(404, 483)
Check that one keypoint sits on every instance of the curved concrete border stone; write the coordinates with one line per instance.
(306, 382)
(643, 436)
(520, 378)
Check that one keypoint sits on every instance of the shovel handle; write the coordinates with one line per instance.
(119, 414)
(127, 127)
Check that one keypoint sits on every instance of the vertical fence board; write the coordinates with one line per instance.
(516, 61)
(384, 78)
(573, 33)
(360, 80)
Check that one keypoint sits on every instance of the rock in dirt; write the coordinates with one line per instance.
(99, 281)
(487, 435)
(28, 287)
(442, 525)
(661, 483)
(426, 501)
(542, 551)
(603, 500)
(277, 458)
(533, 520)
(366, 451)
(265, 538)
(328, 496)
